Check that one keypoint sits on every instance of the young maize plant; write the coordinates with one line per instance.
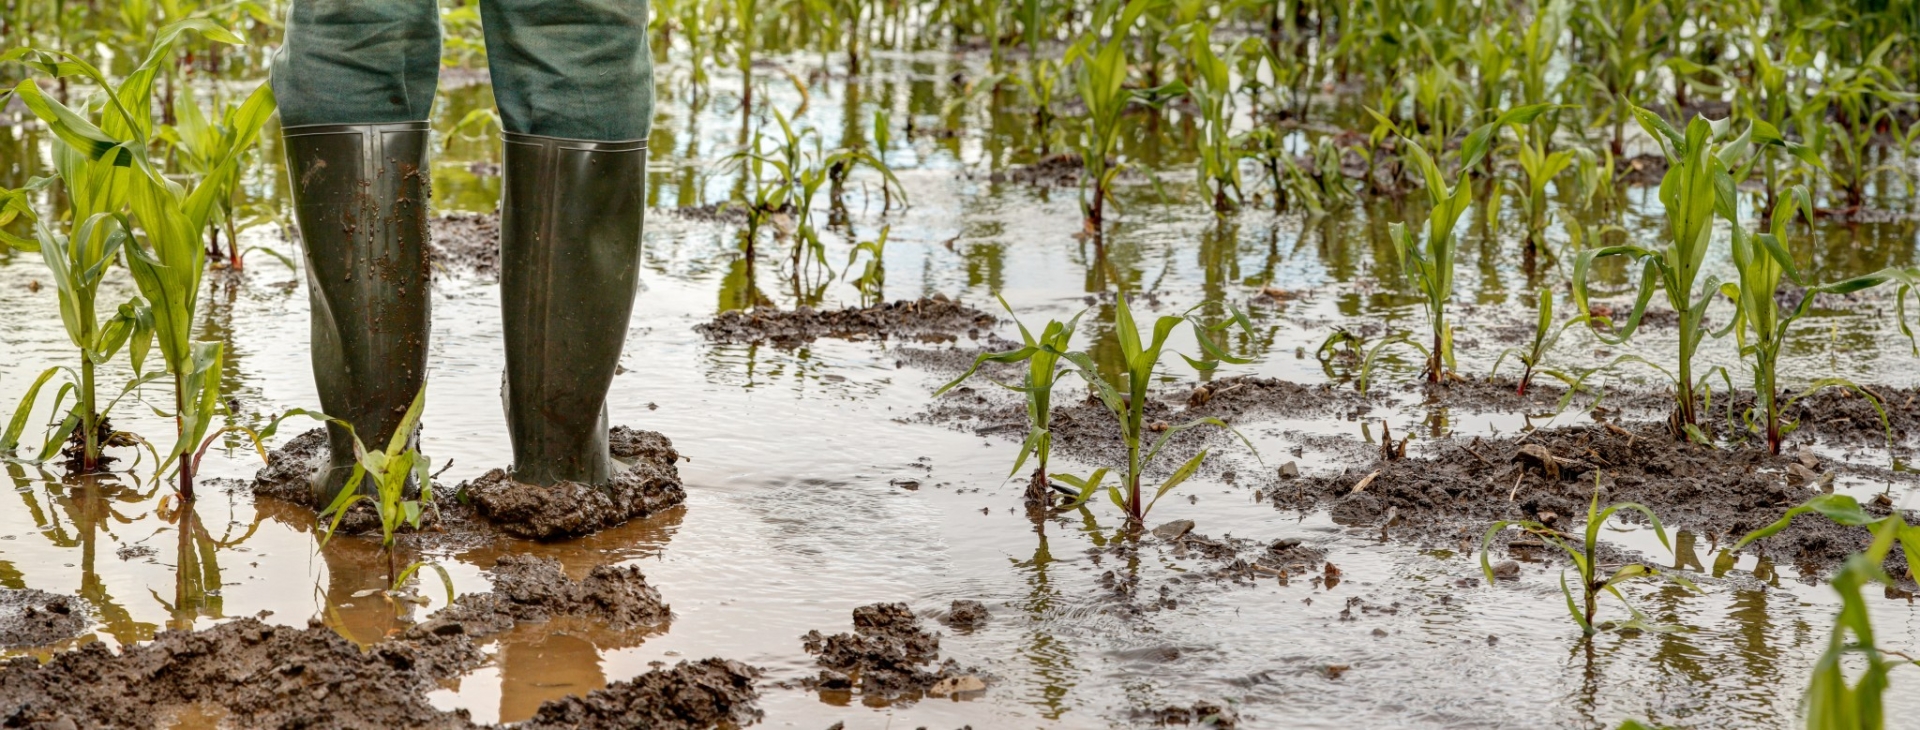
(1042, 355)
(1545, 334)
(1219, 152)
(1430, 265)
(1587, 564)
(402, 491)
(1762, 261)
(1619, 58)
(200, 144)
(1538, 166)
(1842, 118)
(168, 269)
(1126, 400)
(1697, 186)
(1832, 701)
(872, 281)
(1101, 77)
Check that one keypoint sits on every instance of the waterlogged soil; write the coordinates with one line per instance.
(494, 502)
(887, 655)
(30, 617)
(1449, 491)
(931, 319)
(261, 675)
(465, 243)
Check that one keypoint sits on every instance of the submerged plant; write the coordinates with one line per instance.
(1126, 399)
(1430, 265)
(1587, 563)
(1042, 355)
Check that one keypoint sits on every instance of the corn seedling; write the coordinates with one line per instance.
(1126, 400)
(1763, 260)
(1537, 164)
(1586, 563)
(873, 279)
(1345, 347)
(1219, 154)
(1697, 186)
(1621, 53)
(1842, 118)
(202, 144)
(1042, 355)
(395, 471)
(1101, 77)
(1545, 334)
(1832, 701)
(1430, 265)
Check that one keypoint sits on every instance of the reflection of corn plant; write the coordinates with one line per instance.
(391, 470)
(1430, 265)
(1762, 260)
(1545, 334)
(873, 279)
(1219, 155)
(1696, 187)
(1126, 400)
(1042, 356)
(1592, 582)
(1538, 165)
(1101, 78)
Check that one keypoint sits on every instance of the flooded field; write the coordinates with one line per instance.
(1313, 583)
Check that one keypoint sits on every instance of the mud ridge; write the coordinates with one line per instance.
(690, 696)
(531, 588)
(935, 319)
(1456, 488)
(887, 655)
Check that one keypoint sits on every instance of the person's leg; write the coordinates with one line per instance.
(355, 81)
(574, 86)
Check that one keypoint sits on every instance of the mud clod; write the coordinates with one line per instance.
(531, 588)
(887, 655)
(966, 615)
(468, 242)
(650, 483)
(31, 617)
(262, 675)
(1202, 713)
(936, 319)
(690, 696)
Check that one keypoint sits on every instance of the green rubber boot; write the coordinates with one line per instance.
(571, 216)
(360, 197)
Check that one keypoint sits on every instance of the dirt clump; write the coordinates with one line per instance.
(30, 617)
(649, 484)
(690, 696)
(466, 242)
(1455, 489)
(1203, 713)
(288, 474)
(966, 615)
(887, 655)
(935, 319)
(263, 675)
(1054, 171)
(532, 588)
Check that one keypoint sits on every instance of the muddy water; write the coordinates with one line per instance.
(799, 507)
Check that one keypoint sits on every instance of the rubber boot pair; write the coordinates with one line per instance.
(571, 218)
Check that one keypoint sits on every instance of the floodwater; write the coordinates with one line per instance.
(793, 517)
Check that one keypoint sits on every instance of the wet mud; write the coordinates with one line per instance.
(1055, 171)
(261, 675)
(1452, 490)
(31, 617)
(934, 319)
(494, 502)
(1198, 714)
(466, 243)
(888, 655)
(649, 484)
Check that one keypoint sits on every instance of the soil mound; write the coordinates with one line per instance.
(31, 617)
(887, 655)
(531, 588)
(650, 483)
(936, 319)
(262, 675)
(1458, 488)
(966, 615)
(690, 696)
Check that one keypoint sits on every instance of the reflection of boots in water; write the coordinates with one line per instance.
(546, 667)
(355, 83)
